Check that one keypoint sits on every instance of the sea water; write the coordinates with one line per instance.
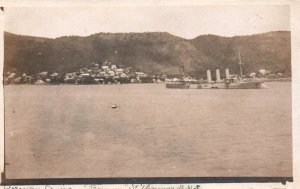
(70, 131)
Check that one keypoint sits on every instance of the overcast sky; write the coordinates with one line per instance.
(187, 21)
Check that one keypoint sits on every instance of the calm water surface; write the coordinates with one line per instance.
(72, 131)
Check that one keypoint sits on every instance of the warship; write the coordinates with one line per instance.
(231, 81)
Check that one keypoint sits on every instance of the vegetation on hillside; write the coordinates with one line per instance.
(151, 52)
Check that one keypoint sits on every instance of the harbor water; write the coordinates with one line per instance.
(71, 131)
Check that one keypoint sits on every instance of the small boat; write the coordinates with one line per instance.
(177, 84)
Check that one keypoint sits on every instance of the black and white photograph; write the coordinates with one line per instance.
(147, 92)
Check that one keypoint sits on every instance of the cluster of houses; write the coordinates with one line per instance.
(95, 74)
(107, 73)
(266, 74)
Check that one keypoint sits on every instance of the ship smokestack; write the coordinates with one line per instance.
(227, 73)
(208, 74)
(218, 77)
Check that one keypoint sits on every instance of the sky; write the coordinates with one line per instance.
(183, 21)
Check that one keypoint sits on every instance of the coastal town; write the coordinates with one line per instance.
(109, 73)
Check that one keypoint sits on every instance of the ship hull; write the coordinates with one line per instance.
(177, 85)
(240, 85)
(246, 85)
(212, 86)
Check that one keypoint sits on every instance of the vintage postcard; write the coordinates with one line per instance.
(148, 91)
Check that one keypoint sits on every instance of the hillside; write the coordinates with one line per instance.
(153, 52)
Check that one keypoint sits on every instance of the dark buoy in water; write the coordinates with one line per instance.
(114, 106)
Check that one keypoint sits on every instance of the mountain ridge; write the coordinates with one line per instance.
(151, 52)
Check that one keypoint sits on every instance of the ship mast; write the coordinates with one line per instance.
(182, 64)
(240, 63)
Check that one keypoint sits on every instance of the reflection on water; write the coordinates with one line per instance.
(72, 131)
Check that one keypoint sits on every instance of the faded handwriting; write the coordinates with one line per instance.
(39, 187)
(150, 186)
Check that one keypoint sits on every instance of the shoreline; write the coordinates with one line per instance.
(289, 79)
(47, 84)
